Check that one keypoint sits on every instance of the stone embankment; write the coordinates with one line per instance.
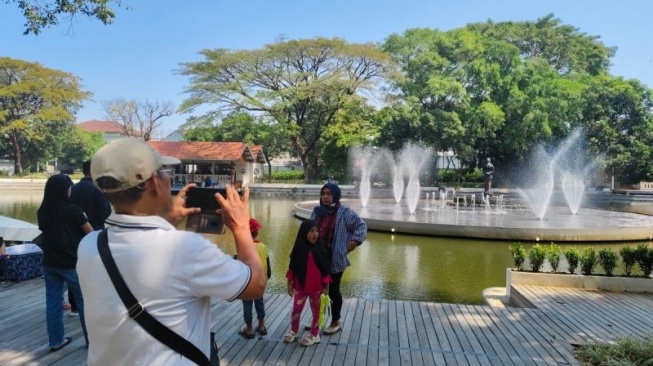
(9, 184)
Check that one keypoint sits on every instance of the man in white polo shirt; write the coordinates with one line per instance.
(173, 274)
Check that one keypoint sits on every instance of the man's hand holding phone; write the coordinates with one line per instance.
(218, 207)
(178, 208)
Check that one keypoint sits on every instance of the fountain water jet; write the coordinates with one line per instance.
(375, 163)
(510, 219)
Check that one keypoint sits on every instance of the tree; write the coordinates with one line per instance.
(562, 46)
(492, 89)
(42, 14)
(354, 125)
(138, 119)
(240, 126)
(32, 95)
(619, 124)
(300, 84)
(63, 143)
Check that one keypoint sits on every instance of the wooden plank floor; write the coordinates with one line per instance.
(375, 332)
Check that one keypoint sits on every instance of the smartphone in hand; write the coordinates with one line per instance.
(209, 219)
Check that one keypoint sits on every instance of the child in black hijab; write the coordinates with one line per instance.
(308, 278)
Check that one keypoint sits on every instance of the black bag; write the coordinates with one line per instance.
(137, 312)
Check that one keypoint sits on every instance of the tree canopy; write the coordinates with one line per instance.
(499, 89)
(42, 14)
(299, 84)
(31, 98)
(484, 90)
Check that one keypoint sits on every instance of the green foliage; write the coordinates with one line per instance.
(518, 255)
(536, 257)
(629, 258)
(498, 89)
(553, 255)
(302, 85)
(240, 126)
(645, 259)
(588, 260)
(460, 176)
(608, 260)
(288, 175)
(34, 101)
(618, 119)
(43, 14)
(572, 255)
(626, 350)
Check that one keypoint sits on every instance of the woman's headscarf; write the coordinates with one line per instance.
(323, 209)
(299, 254)
(55, 198)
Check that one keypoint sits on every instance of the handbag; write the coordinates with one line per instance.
(137, 312)
(325, 309)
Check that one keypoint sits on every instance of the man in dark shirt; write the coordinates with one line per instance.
(94, 204)
(91, 200)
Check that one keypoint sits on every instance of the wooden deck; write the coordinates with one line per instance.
(375, 332)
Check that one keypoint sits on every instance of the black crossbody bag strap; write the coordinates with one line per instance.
(137, 312)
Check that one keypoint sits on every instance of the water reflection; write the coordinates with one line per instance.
(386, 266)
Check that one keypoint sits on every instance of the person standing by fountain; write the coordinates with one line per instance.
(341, 231)
(488, 170)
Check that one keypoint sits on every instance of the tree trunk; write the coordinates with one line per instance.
(18, 166)
(269, 171)
(310, 170)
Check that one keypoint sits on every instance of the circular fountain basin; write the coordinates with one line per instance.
(558, 225)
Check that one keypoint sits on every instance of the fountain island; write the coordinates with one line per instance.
(590, 225)
(525, 215)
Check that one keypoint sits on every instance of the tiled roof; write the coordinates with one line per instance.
(193, 150)
(257, 152)
(95, 125)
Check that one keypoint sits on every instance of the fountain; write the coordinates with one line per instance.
(413, 159)
(525, 214)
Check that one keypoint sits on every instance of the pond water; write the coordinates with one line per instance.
(402, 267)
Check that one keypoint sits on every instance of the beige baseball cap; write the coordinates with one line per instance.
(129, 160)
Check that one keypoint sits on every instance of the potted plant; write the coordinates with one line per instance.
(629, 257)
(553, 255)
(587, 260)
(608, 260)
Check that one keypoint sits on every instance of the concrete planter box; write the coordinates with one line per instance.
(605, 283)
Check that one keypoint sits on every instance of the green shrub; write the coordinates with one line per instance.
(460, 176)
(553, 255)
(629, 257)
(288, 175)
(572, 255)
(518, 255)
(448, 175)
(475, 175)
(645, 258)
(536, 257)
(588, 260)
(608, 260)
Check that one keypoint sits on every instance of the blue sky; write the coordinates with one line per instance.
(135, 57)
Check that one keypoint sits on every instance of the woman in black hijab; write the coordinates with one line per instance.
(63, 226)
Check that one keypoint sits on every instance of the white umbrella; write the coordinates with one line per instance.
(17, 230)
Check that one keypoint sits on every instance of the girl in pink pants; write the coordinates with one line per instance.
(308, 277)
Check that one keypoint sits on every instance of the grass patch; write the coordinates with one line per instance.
(625, 351)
